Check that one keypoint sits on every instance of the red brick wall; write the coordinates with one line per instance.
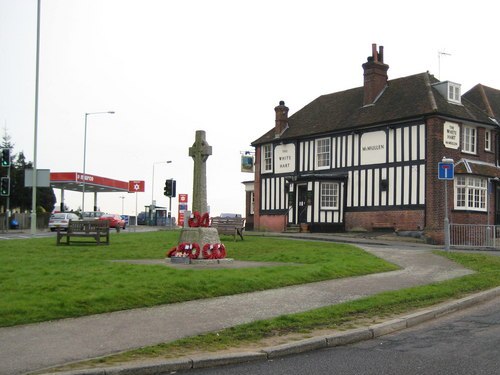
(272, 223)
(435, 191)
(399, 220)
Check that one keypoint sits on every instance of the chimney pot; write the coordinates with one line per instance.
(281, 123)
(375, 75)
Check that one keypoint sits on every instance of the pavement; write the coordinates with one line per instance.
(34, 347)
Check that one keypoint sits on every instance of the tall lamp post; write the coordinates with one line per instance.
(35, 138)
(152, 221)
(153, 179)
(84, 177)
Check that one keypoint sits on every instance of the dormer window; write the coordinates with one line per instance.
(454, 92)
(450, 91)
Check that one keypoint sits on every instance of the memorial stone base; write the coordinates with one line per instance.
(200, 235)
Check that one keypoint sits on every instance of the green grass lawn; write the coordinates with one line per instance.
(336, 317)
(40, 281)
(343, 316)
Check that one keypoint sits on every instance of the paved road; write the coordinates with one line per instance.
(30, 347)
(464, 343)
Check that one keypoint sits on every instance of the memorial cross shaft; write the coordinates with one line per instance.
(200, 151)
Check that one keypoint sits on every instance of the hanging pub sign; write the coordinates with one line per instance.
(247, 163)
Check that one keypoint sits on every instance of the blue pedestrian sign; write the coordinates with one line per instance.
(446, 171)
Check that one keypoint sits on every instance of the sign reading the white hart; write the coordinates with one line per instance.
(284, 158)
(373, 147)
(451, 135)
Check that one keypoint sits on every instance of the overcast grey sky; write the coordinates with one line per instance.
(169, 68)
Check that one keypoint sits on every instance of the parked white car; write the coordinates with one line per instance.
(61, 220)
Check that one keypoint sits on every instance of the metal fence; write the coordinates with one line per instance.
(475, 236)
(24, 221)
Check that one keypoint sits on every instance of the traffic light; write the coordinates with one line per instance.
(169, 189)
(5, 159)
(5, 186)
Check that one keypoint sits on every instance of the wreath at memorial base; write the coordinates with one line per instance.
(197, 220)
(214, 251)
(185, 249)
(172, 252)
(193, 251)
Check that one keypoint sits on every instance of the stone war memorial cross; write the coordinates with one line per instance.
(200, 151)
(199, 242)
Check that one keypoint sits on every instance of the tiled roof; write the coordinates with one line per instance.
(486, 98)
(403, 99)
(477, 168)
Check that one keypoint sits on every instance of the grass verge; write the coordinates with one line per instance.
(41, 281)
(336, 317)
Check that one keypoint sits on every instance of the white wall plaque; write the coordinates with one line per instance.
(451, 135)
(373, 147)
(284, 158)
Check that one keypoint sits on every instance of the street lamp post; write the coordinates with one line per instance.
(84, 176)
(153, 179)
(153, 205)
(35, 138)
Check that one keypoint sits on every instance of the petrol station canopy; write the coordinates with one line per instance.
(74, 181)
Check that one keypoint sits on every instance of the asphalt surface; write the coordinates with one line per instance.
(37, 346)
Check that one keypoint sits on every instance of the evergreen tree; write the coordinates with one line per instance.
(21, 196)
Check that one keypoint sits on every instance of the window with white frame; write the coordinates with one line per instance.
(487, 140)
(454, 92)
(469, 140)
(470, 193)
(267, 158)
(329, 192)
(323, 152)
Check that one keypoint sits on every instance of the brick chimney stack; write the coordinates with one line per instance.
(281, 119)
(375, 75)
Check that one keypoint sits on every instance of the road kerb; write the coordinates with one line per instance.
(226, 359)
(295, 347)
(349, 337)
(388, 327)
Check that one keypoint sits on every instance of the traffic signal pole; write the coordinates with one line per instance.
(7, 212)
(6, 162)
(170, 191)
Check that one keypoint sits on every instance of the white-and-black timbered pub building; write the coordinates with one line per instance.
(367, 158)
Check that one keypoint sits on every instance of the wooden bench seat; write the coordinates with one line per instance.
(98, 230)
(229, 225)
(383, 225)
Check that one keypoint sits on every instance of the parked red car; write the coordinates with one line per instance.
(114, 220)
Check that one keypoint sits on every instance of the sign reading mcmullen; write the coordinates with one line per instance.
(373, 147)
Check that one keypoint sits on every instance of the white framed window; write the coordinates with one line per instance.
(329, 192)
(470, 193)
(454, 92)
(470, 139)
(323, 153)
(267, 158)
(487, 140)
